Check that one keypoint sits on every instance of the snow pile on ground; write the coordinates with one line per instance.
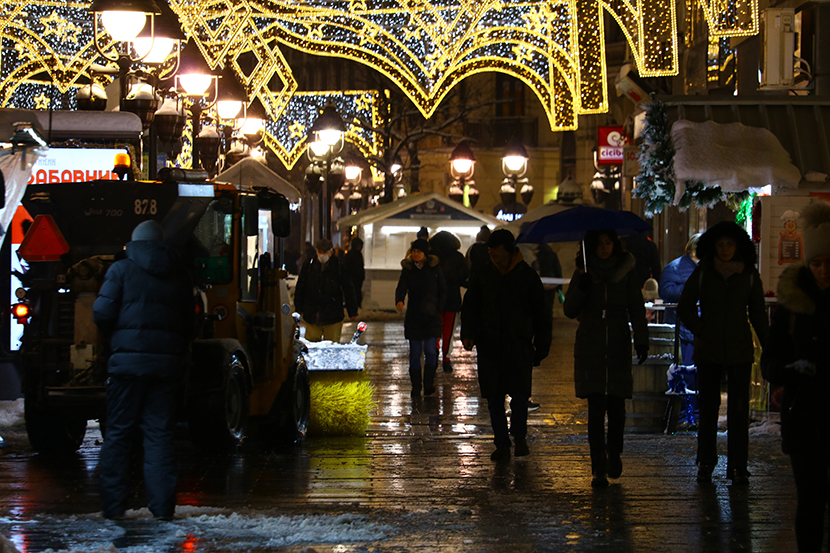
(295, 530)
(11, 414)
(215, 529)
(765, 427)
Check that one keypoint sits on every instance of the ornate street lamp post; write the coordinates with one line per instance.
(325, 140)
(514, 167)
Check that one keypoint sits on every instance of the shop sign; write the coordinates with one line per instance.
(611, 143)
(74, 165)
(631, 161)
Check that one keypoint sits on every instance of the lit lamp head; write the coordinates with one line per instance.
(194, 75)
(326, 135)
(154, 44)
(352, 169)
(394, 166)
(124, 19)
(253, 125)
(462, 162)
(514, 161)
(231, 96)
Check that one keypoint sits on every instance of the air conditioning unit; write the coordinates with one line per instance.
(777, 57)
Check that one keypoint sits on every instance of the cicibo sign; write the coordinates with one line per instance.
(611, 142)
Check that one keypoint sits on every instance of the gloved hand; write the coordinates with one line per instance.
(642, 353)
(803, 366)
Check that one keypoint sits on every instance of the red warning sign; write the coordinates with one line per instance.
(43, 242)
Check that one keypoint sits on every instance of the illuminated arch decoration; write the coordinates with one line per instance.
(555, 46)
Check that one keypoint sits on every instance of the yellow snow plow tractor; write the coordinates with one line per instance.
(245, 377)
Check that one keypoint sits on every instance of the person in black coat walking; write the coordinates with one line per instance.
(456, 272)
(795, 357)
(353, 262)
(503, 315)
(604, 299)
(727, 286)
(421, 279)
(147, 310)
(322, 288)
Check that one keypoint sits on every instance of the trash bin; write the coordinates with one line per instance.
(646, 410)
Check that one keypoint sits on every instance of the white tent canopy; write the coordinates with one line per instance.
(251, 172)
(734, 156)
(385, 211)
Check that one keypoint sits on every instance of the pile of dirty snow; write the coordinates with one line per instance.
(11, 414)
(765, 427)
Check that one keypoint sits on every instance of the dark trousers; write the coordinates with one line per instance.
(429, 349)
(709, 377)
(811, 483)
(598, 406)
(149, 403)
(498, 418)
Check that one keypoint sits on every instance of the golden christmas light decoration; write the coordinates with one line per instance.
(556, 47)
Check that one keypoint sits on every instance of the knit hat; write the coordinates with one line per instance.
(324, 245)
(501, 237)
(148, 230)
(817, 231)
(420, 244)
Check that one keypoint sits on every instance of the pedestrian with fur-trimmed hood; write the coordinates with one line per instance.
(726, 285)
(795, 357)
(605, 297)
(503, 315)
(423, 282)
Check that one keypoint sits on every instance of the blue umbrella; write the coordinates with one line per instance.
(571, 225)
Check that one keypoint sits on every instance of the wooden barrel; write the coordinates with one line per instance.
(646, 410)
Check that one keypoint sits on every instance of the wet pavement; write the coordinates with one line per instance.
(420, 480)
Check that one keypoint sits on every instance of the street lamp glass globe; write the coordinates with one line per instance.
(153, 50)
(329, 137)
(195, 84)
(353, 173)
(462, 166)
(123, 26)
(319, 149)
(228, 109)
(514, 165)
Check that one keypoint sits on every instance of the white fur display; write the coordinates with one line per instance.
(817, 229)
(733, 156)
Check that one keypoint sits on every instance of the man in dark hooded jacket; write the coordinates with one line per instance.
(504, 316)
(146, 308)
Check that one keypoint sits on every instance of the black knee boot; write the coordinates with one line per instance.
(415, 378)
(429, 379)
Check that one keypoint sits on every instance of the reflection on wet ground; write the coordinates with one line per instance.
(420, 480)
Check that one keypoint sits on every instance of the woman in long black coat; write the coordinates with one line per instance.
(421, 279)
(795, 357)
(727, 285)
(604, 299)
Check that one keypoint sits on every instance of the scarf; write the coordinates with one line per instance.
(728, 268)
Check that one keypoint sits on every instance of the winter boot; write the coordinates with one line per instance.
(614, 465)
(521, 446)
(429, 379)
(447, 366)
(415, 378)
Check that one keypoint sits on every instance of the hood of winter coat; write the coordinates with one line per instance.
(791, 289)
(617, 267)
(154, 256)
(430, 260)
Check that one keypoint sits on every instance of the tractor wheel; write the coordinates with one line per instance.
(294, 407)
(52, 432)
(218, 422)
